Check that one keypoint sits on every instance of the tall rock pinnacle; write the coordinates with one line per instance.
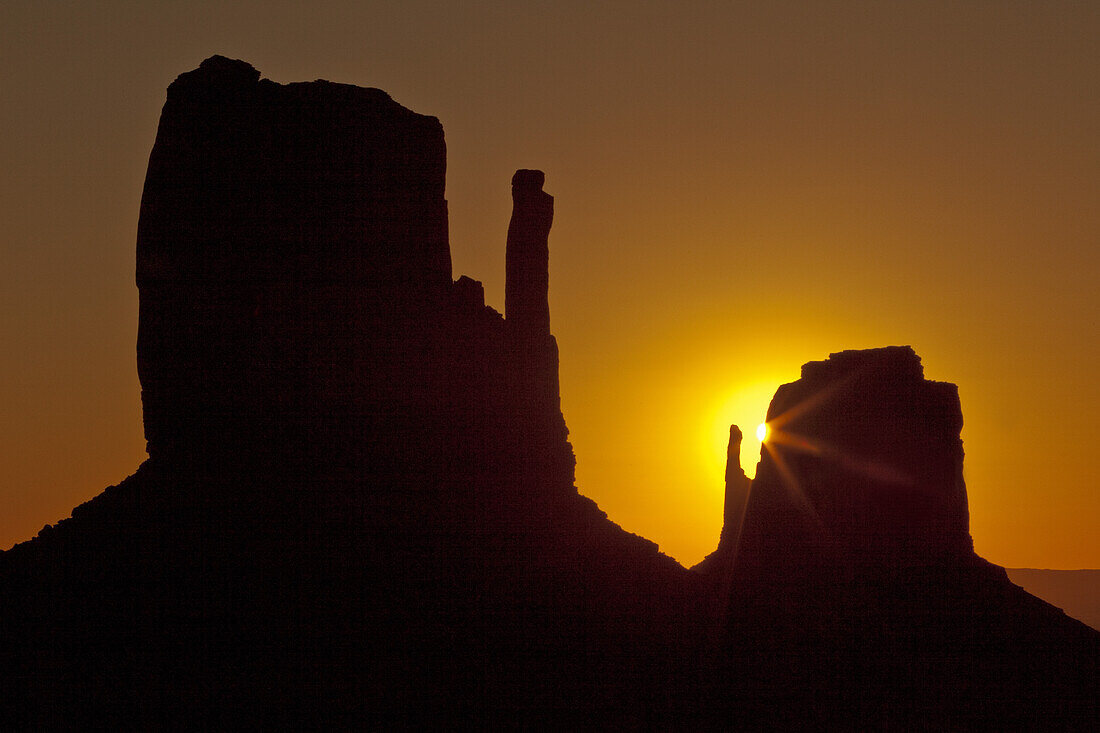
(737, 493)
(737, 490)
(526, 304)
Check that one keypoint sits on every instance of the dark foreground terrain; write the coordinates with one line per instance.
(359, 506)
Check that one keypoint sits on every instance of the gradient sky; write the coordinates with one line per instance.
(740, 188)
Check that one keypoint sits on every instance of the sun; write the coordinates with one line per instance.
(743, 406)
(762, 432)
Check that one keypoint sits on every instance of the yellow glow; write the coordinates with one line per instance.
(762, 432)
(745, 407)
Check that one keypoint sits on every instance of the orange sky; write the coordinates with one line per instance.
(740, 188)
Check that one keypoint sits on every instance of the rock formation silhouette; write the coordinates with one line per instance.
(359, 499)
(359, 505)
(863, 470)
(856, 590)
(528, 256)
(721, 561)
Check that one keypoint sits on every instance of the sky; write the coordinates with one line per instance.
(741, 187)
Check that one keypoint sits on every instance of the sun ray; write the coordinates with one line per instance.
(806, 405)
(778, 440)
(794, 489)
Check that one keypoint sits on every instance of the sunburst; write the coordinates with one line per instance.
(779, 439)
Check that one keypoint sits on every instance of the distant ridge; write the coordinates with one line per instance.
(1077, 592)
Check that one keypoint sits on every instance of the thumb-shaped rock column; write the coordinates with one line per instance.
(526, 301)
(533, 351)
(737, 493)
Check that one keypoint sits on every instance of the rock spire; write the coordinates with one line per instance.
(720, 562)
(526, 304)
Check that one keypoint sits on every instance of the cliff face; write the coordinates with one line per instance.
(292, 261)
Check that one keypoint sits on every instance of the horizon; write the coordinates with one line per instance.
(667, 331)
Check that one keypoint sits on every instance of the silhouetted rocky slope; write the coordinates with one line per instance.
(857, 598)
(359, 506)
(359, 501)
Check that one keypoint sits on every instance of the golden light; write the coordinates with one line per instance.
(744, 406)
(762, 432)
